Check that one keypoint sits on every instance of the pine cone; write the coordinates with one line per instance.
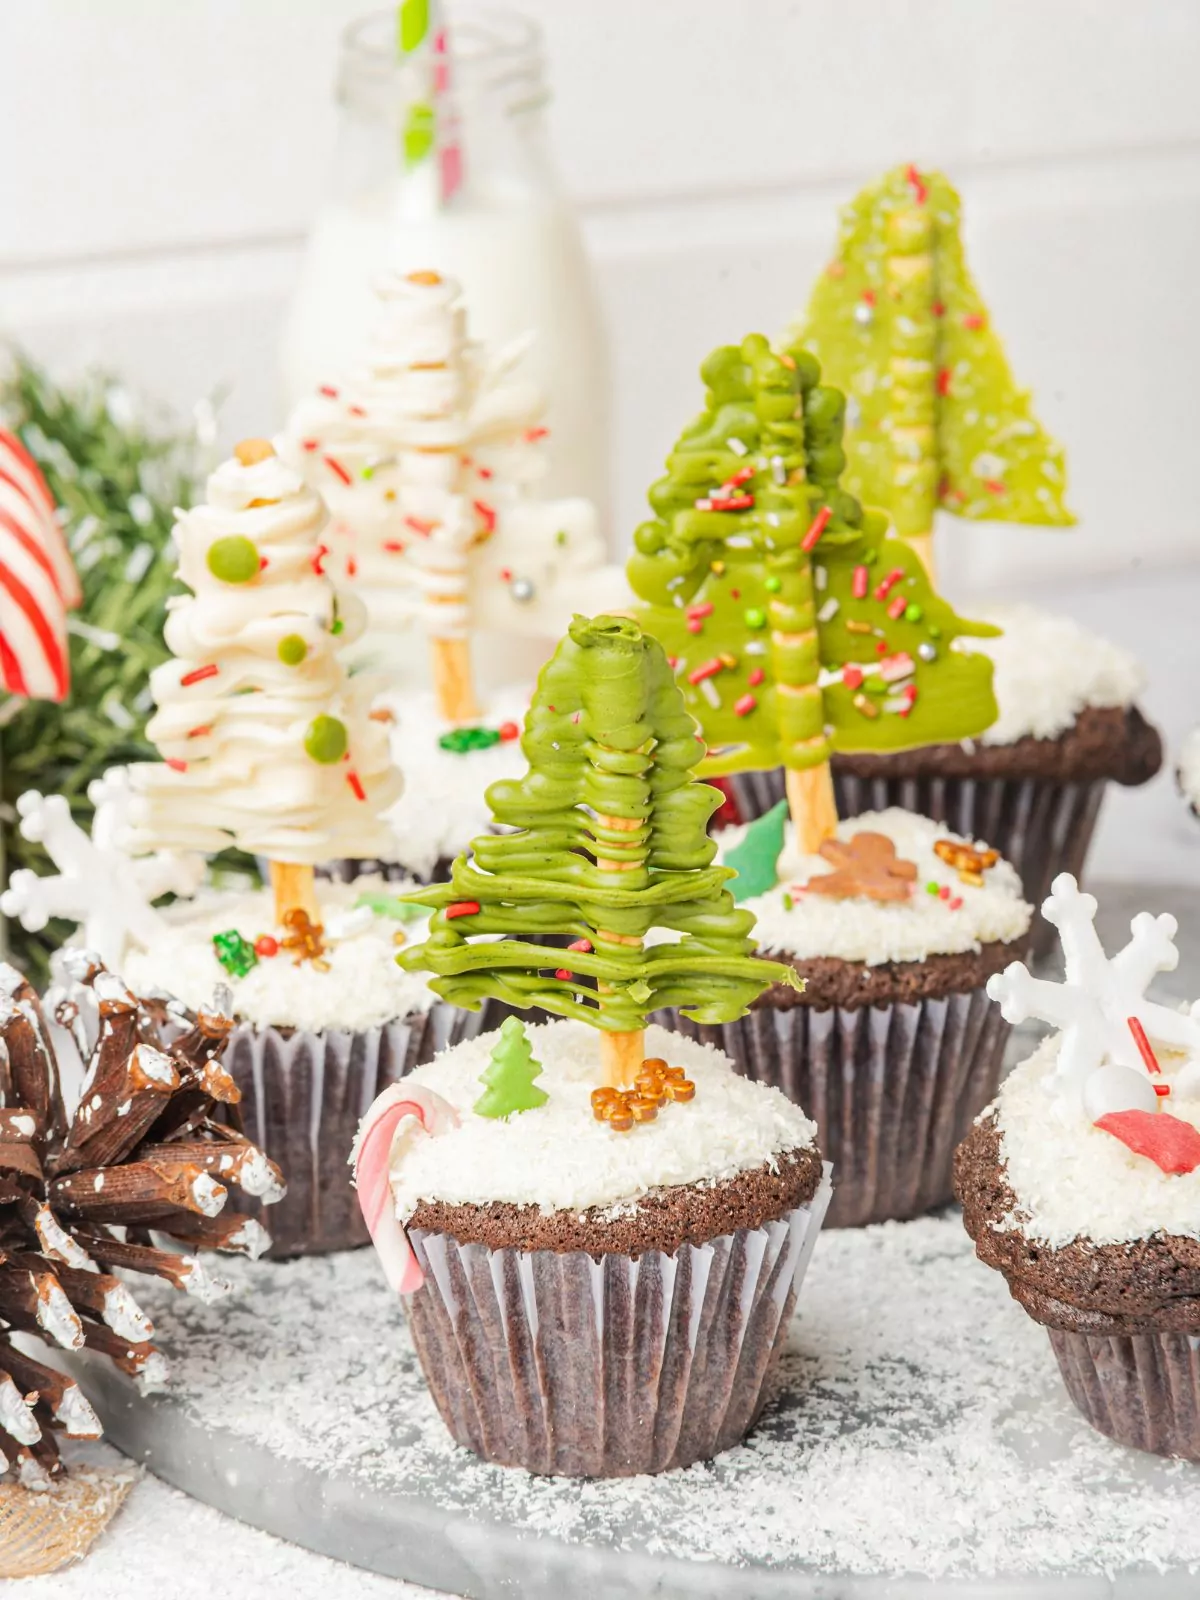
(83, 1196)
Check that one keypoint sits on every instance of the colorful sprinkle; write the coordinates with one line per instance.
(897, 606)
(198, 675)
(913, 612)
(266, 946)
(885, 585)
(233, 559)
(917, 184)
(861, 579)
(509, 731)
(175, 764)
(852, 676)
(943, 380)
(865, 707)
(745, 705)
(326, 740)
(754, 618)
(291, 650)
(1145, 1049)
(820, 522)
(755, 676)
(706, 669)
(486, 514)
(462, 908)
(338, 470)
(956, 903)
(584, 946)
(773, 584)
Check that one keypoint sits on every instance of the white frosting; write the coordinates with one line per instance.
(242, 773)
(1048, 670)
(444, 804)
(427, 457)
(362, 989)
(1188, 770)
(1073, 1180)
(560, 1158)
(876, 931)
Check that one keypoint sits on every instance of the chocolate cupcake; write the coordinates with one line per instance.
(586, 1301)
(895, 927)
(1187, 772)
(1081, 1182)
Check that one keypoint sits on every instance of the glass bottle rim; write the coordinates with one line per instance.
(493, 52)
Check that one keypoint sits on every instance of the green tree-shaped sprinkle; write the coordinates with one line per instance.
(795, 625)
(936, 418)
(509, 1079)
(609, 842)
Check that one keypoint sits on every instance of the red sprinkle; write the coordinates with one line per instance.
(564, 973)
(742, 475)
(993, 485)
(974, 320)
(852, 676)
(351, 567)
(819, 524)
(309, 444)
(1145, 1049)
(694, 625)
(356, 788)
(862, 579)
(356, 411)
(745, 705)
(327, 388)
(199, 733)
(943, 380)
(944, 892)
(755, 676)
(393, 546)
(265, 945)
(338, 470)
(735, 594)
(420, 525)
(702, 608)
(532, 435)
(462, 908)
(706, 669)
(584, 945)
(897, 607)
(868, 296)
(733, 502)
(938, 309)
(175, 764)
(1162, 1090)
(956, 903)
(197, 676)
(263, 563)
(485, 473)
(486, 514)
(920, 193)
(509, 731)
(318, 559)
(885, 585)
(881, 647)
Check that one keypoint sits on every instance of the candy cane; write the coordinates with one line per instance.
(378, 1135)
(37, 580)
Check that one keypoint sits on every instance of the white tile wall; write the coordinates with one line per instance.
(163, 156)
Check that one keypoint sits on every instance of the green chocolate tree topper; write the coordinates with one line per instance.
(610, 842)
(795, 625)
(936, 419)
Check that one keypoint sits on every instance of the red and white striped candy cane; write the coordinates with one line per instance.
(377, 1134)
(38, 584)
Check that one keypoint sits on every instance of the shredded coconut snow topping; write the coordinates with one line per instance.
(560, 1158)
(875, 931)
(1048, 670)
(362, 989)
(1074, 1181)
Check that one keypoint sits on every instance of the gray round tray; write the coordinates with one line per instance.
(921, 1442)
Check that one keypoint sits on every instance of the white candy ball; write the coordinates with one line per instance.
(1117, 1088)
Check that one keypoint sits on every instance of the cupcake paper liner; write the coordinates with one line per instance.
(303, 1096)
(347, 870)
(892, 1089)
(561, 1363)
(1042, 828)
(1143, 1390)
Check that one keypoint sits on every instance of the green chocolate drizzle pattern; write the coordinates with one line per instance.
(609, 742)
(750, 482)
(937, 419)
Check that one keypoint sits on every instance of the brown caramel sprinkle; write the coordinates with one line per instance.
(969, 863)
(865, 864)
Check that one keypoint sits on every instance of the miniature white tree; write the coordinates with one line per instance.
(426, 457)
(267, 743)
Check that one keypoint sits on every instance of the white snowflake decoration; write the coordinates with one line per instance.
(98, 885)
(1100, 1068)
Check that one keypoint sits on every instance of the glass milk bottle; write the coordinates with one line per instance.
(507, 232)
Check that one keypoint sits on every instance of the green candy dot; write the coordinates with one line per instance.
(932, 888)
(291, 650)
(913, 612)
(934, 631)
(326, 740)
(772, 584)
(234, 559)
(336, 626)
(754, 618)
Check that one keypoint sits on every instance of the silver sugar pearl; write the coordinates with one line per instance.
(522, 590)
(864, 314)
(927, 651)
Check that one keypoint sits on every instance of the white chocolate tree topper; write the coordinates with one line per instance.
(1102, 1069)
(98, 885)
(267, 743)
(427, 457)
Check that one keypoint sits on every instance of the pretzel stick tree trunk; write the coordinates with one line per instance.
(621, 1054)
(295, 890)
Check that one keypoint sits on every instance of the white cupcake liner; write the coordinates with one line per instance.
(602, 1368)
(892, 1089)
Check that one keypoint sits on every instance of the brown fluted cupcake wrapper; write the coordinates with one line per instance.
(892, 1089)
(1143, 1390)
(562, 1363)
(1043, 828)
(346, 870)
(303, 1096)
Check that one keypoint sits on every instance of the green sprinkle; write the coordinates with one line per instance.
(788, 902)
(562, 536)
(913, 612)
(234, 953)
(336, 626)
(291, 650)
(233, 559)
(419, 134)
(933, 888)
(754, 617)
(772, 584)
(326, 740)
(934, 631)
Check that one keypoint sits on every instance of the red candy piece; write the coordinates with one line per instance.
(1171, 1143)
(509, 731)
(266, 946)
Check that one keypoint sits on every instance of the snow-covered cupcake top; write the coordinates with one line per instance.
(1048, 669)
(1073, 1180)
(939, 914)
(1188, 770)
(560, 1158)
(360, 988)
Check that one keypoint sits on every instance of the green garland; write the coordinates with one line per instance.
(118, 478)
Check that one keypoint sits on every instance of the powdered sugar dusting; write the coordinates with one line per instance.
(1072, 1180)
(923, 1431)
(876, 931)
(560, 1158)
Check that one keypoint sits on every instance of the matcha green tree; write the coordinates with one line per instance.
(508, 1080)
(796, 626)
(609, 841)
(936, 418)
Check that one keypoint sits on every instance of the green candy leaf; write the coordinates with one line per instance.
(755, 857)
